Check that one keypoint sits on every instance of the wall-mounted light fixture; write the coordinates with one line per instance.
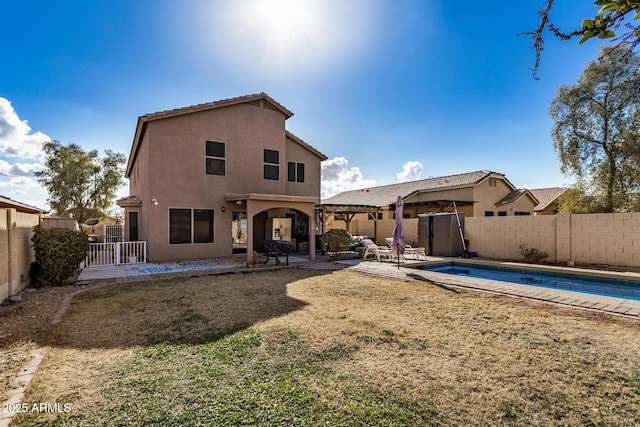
(238, 202)
(154, 201)
(223, 209)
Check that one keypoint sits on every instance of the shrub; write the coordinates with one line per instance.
(59, 253)
(532, 254)
(335, 241)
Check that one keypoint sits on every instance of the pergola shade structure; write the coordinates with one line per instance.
(348, 210)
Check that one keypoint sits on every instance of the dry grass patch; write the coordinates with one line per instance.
(22, 326)
(343, 348)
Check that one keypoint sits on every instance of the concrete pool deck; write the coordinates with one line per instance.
(628, 308)
(617, 306)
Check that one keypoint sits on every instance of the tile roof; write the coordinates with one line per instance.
(515, 195)
(218, 104)
(6, 202)
(386, 195)
(132, 200)
(546, 196)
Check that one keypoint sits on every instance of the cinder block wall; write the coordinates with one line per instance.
(501, 237)
(4, 255)
(612, 239)
(605, 239)
(16, 253)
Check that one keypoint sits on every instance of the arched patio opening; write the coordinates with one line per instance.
(280, 217)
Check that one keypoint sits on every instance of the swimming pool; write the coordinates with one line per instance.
(570, 282)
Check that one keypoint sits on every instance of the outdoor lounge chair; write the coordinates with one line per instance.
(380, 252)
(408, 249)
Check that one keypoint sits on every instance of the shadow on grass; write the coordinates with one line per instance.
(176, 311)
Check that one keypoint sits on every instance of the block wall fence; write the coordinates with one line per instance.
(16, 253)
(601, 239)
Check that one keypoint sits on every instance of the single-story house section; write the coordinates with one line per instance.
(548, 198)
(480, 193)
(215, 179)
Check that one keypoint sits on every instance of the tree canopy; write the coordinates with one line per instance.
(80, 183)
(606, 24)
(596, 133)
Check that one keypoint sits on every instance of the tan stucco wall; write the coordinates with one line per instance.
(171, 163)
(16, 253)
(487, 196)
(549, 210)
(296, 153)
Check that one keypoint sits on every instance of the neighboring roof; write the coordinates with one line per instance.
(133, 200)
(305, 145)
(386, 195)
(515, 195)
(546, 196)
(6, 202)
(268, 102)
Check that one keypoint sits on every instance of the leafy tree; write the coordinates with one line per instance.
(577, 200)
(80, 183)
(596, 133)
(604, 25)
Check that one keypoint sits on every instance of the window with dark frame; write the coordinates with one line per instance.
(271, 164)
(190, 226)
(295, 172)
(179, 226)
(488, 213)
(215, 156)
(502, 213)
(202, 226)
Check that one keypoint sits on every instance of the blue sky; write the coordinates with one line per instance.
(388, 90)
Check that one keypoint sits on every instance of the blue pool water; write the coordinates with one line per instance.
(593, 285)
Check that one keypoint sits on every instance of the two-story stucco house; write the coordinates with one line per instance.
(207, 180)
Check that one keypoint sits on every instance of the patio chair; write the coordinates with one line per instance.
(380, 252)
(408, 249)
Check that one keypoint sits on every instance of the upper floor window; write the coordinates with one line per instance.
(295, 172)
(517, 213)
(493, 183)
(215, 158)
(271, 164)
(488, 213)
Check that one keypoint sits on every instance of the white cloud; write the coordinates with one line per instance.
(16, 138)
(338, 177)
(411, 171)
(19, 169)
(21, 156)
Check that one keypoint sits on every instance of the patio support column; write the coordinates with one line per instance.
(250, 215)
(312, 235)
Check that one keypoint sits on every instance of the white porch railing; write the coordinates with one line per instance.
(101, 254)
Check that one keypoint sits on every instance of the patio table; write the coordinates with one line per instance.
(277, 248)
